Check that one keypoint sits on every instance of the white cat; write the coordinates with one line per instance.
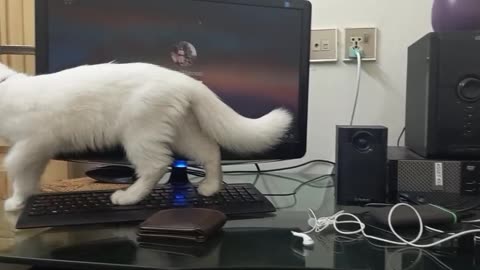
(152, 111)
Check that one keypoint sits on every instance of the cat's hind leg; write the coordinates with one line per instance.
(25, 164)
(150, 130)
(151, 159)
(194, 144)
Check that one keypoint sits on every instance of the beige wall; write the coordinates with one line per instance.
(17, 27)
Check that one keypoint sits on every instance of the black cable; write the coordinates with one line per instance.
(290, 205)
(473, 207)
(295, 179)
(257, 167)
(456, 211)
(407, 199)
(196, 171)
(259, 171)
(199, 172)
(285, 168)
(294, 196)
(460, 203)
(258, 174)
(400, 136)
(299, 187)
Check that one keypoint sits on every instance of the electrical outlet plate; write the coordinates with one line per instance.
(324, 45)
(366, 38)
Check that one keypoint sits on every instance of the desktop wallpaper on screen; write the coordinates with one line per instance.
(248, 55)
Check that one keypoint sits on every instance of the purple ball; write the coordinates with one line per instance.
(456, 15)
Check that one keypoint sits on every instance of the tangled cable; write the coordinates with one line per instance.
(321, 224)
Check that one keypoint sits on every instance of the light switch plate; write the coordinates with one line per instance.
(324, 45)
(364, 37)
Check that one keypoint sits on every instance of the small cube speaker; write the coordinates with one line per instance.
(361, 169)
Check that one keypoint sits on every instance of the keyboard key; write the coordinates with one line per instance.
(256, 198)
(41, 204)
(127, 207)
(35, 213)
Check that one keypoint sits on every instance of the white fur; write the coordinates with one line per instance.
(152, 111)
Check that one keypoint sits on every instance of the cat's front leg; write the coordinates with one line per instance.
(209, 187)
(14, 204)
(25, 164)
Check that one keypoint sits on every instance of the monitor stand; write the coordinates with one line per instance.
(117, 174)
(178, 174)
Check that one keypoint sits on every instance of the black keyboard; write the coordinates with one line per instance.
(95, 207)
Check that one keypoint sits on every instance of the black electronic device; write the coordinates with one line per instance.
(405, 217)
(228, 44)
(115, 174)
(438, 181)
(155, 32)
(94, 207)
(443, 96)
(361, 171)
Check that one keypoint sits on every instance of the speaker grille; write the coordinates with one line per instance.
(419, 176)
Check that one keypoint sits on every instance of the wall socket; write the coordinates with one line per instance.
(324, 45)
(364, 38)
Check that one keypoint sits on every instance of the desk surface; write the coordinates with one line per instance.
(261, 243)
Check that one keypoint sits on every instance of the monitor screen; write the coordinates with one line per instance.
(252, 54)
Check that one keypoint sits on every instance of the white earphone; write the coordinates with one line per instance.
(307, 240)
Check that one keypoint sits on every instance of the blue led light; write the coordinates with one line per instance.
(180, 164)
(179, 200)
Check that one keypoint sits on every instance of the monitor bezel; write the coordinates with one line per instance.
(282, 152)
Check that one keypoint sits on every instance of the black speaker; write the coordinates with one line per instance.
(443, 96)
(361, 169)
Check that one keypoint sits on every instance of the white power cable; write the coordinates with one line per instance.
(321, 224)
(471, 221)
(357, 84)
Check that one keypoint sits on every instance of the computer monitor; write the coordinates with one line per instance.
(254, 54)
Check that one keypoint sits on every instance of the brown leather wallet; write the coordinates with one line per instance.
(182, 247)
(192, 224)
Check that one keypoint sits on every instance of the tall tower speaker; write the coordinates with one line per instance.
(443, 96)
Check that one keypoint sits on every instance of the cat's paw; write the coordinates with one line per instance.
(208, 188)
(124, 197)
(14, 204)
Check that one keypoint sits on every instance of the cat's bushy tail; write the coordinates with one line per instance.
(235, 132)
